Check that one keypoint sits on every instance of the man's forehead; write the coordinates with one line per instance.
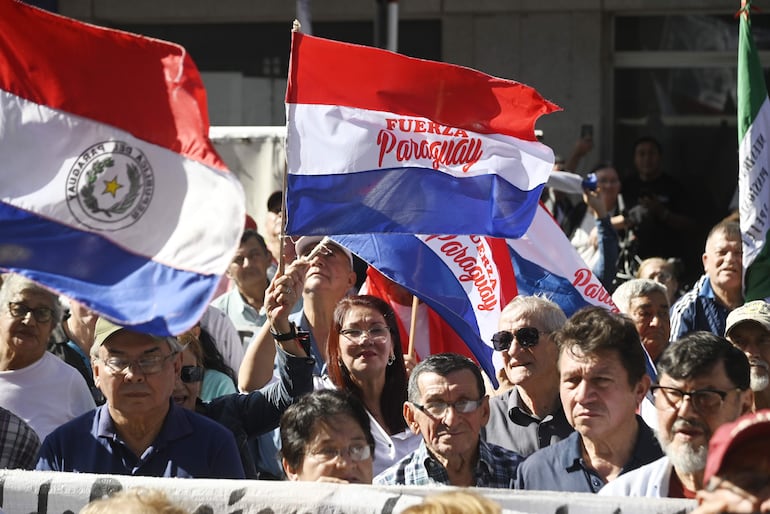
(574, 357)
(431, 383)
(30, 293)
(714, 378)
(128, 342)
(653, 299)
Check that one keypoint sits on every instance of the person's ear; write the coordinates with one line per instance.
(290, 473)
(747, 401)
(641, 388)
(485, 411)
(411, 421)
(178, 364)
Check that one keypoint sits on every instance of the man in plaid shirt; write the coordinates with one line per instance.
(448, 407)
(19, 444)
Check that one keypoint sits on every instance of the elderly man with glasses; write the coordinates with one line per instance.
(703, 383)
(35, 385)
(447, 407)
(140, 430)
(530, 415)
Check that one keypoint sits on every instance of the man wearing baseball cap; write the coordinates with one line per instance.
(140, 430)
(737, 475)
(748, 328)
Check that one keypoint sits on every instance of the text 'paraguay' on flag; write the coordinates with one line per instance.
(380, 142)
(111, 192)
(753, 164)
(468, 280)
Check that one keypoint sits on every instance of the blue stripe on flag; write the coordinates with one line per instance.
(532, 279)
(408, 201)
(85, 265)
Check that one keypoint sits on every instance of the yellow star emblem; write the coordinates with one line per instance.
(111, 186)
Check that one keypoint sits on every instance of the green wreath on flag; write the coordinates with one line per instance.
(89, 199)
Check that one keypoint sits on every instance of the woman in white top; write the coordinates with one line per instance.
(365, 358)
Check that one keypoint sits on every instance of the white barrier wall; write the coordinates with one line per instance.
(23, 492)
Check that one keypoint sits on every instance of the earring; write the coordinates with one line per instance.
(391, 359)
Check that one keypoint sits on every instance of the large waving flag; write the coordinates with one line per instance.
(110, 191)
(753, 163)
(380, 142)
(468, 280)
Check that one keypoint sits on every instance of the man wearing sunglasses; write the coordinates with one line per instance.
(529, 416)
(447, 406)
(703, 383)
(140, 430)
(35, 385)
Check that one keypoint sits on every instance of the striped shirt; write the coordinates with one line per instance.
(698, 309)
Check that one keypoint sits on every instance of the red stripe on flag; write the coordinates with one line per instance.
(332, 73)
(502, 257)
(147, 87)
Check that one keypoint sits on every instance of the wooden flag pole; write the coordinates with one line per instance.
(295, 27)
(413, 325)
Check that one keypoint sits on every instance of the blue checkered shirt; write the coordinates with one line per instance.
(496, 468)
(19, 443)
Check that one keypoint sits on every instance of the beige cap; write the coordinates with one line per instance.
(103, 330)
(757, 311)
(311, 241)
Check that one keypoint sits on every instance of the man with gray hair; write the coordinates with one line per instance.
(34, 384)
(140, 430)
(713, 377)
(530, 415)
(448, 407)
(645, 301)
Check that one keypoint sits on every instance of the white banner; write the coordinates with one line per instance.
(45, 492)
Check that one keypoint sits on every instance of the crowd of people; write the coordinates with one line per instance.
(294, 375)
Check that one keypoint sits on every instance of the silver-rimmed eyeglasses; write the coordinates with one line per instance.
(356, 452)
(376, 333)
(439, 409)
(146, 365)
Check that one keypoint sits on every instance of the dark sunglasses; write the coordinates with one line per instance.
(191, 374)
(527, 338)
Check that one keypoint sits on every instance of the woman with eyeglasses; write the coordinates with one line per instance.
(366, 359)
(325, 437)
(246, 415)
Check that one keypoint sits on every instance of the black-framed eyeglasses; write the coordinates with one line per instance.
(703, 400)
(146, 365)
(439, 409)
(192, 374)
(526, 336)
(20, 310)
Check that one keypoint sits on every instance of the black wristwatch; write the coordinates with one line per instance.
(288, 336)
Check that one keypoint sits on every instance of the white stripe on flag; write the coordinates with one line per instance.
(329, 139)
(192, 198)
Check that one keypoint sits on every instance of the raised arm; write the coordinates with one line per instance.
(257, 367)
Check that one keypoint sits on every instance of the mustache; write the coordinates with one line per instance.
(683, 423)
(753, 361)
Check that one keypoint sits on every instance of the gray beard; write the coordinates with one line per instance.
(760, 379)
(687, 459)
